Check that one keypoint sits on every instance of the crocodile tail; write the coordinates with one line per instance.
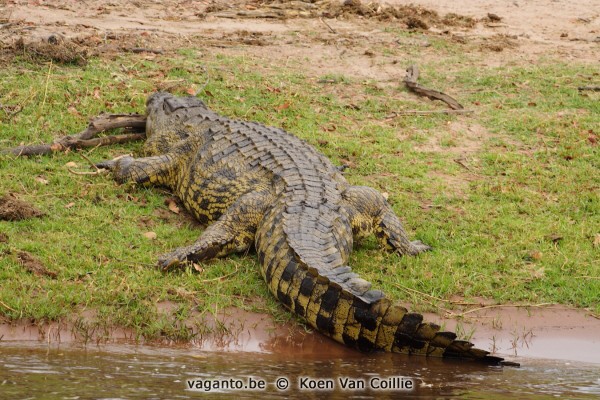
(383, 326)
(391, 327)
(306, 270)
(357, 322)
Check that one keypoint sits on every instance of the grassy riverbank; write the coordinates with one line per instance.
(507, 195)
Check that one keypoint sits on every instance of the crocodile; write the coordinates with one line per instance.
(256, 185)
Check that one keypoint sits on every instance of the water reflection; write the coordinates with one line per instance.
(128, 372)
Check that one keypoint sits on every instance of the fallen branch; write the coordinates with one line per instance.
(412, 74)
(87, 138)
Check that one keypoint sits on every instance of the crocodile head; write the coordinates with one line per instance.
(166, 118)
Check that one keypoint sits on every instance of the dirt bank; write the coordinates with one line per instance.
(545, 331)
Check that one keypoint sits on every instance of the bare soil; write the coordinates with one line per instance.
(324, 38)
(13, 209)
(33, 265)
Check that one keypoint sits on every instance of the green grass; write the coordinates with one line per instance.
(534, 175)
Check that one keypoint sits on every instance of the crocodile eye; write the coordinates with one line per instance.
(183, 134)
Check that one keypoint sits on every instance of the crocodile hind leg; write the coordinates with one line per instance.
(370, 213)
(233, 232)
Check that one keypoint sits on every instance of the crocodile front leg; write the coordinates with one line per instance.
(157, 170)
(233, 232)
(370, 213)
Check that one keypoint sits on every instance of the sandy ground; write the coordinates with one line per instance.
(524, 31)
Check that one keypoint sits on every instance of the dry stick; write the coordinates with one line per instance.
(97, 172)
(428, 112)
(201, 88)
(85, 138)
(327, 25)
(591, 88)
(47, 83)
(92, 164)
(220, 278)
(7, 306)
(462, 314)
(144, 50)
(249, 14)
(431, 303)
(412, 74)
(459, 161)
(459, 303)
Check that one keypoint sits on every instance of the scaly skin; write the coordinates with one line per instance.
(260, 185)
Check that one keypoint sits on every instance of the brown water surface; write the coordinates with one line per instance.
(557, 347)
(122, 371)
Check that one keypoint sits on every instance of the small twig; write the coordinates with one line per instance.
(249, 14)
(93, 164)
(427, 112)
(220, 278)
(412, 74)
(407, 289)
(144, 50)
(47, 83)
(327, 25)
(436, 306)
(7, 306)
(459, 161)
(591, 88)
(457, 303)
(201, 88)
(97, 172)
(500, 306)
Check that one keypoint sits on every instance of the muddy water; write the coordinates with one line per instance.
(129, 372)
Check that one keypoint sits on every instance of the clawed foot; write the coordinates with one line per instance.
(170, 261)
(118, 166)
(417, 247)
(177, 258)
(108, 164)
(111, 165)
